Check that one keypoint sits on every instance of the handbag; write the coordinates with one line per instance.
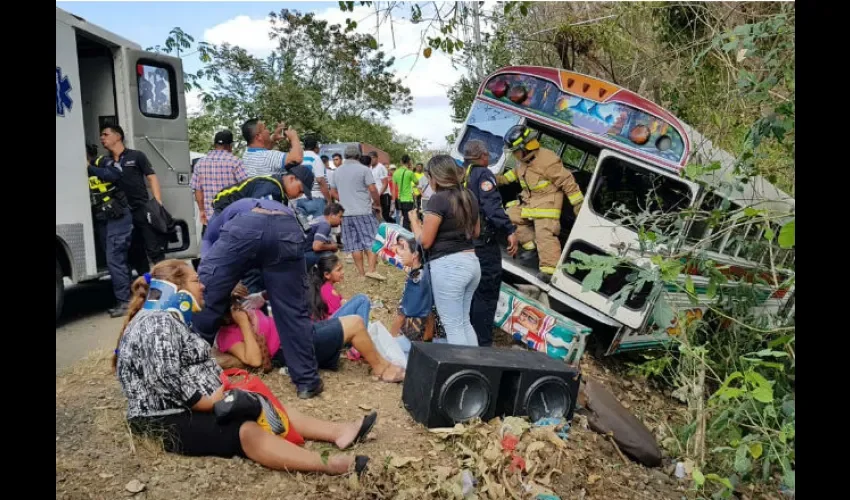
(237, 378)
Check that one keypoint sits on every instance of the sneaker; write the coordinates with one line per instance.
(311, 393)
(376, 276)
(118, 311)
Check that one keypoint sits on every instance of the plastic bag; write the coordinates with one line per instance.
(253, 302)
(387, 345)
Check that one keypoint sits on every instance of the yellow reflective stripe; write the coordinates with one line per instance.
(510, 176)
(547, 270)
(466, 175)
(523, 185)
(96, 184)
(529, 246)
(236, 188)
(540, 185)
(576, 198)
(541, 213)
(511, 203)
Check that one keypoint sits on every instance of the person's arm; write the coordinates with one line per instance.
(563, 179)
(507, 178)
(376, 198)
(323, 186)
(425, 232)
(248, 351)
(322, 241)
(153, 180)
(105, 169)
(206, 403)
(296, 151)
(395, 327)
(199, 199)
(385, 181)
(477, 232)
(239, 174)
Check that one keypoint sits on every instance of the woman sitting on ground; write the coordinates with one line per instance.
(172, 384)
(242, 339)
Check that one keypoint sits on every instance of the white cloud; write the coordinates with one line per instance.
(427, 79)
(193, 102)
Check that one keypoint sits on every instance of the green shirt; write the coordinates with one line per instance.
(405, 180)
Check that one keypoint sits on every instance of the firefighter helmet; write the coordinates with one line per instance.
(521, 137)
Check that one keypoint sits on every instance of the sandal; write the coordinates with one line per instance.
(360, 463)
(353, 354)
(365, 428)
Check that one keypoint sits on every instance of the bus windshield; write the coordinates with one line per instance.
(488, 124)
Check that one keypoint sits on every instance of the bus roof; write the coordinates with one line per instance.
(592, 109)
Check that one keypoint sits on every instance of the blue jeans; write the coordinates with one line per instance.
(315, 208)
(359, 305)
(454, 279)
(114, 237)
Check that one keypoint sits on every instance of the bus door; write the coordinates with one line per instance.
(156, 108)
(620, 189)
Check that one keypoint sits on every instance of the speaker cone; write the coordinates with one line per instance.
(548, 397)
(464, 395)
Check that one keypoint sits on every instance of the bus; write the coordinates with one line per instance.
(626, 153)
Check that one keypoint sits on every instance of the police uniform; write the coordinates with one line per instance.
(114, 223)
(265, 235)
(482, 183)
(537, 213)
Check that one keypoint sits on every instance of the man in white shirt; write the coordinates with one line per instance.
(314, 208)
(260, 159)
(382, 178)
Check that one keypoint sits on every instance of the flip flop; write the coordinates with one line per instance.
(365, 428)
(360, 463)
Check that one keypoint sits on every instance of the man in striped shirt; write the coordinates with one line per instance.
(314, 208)
(214, 172)
(260, 159)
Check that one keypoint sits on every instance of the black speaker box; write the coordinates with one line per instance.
(446, 384)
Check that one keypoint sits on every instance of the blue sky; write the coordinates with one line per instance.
(245, 24)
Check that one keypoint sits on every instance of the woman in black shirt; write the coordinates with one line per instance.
(450, 224)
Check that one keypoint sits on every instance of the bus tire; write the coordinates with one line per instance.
(60, 289)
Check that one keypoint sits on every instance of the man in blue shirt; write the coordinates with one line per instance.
(264, 234)
(319, 238)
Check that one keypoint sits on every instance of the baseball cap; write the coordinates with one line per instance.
(304, 175)
(223, 137)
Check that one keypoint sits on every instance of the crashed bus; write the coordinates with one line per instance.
(625, 151)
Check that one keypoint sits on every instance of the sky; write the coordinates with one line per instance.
(246, 24)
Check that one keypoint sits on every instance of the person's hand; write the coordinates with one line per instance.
(218, 395)
(204, 220)
(513, 244)
(413, 215)
(291, 134)
(240, 291)
(277, 136)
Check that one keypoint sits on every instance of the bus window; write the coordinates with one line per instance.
(488, 124)
(623, 190)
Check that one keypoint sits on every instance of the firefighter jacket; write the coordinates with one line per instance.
(543, 178)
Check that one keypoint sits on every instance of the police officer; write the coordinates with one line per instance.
(264, 234)
(113, 224)
(544, 182)
(482, 183)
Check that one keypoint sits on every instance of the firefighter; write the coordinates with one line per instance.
(479, 180)
(114, 224)
(537, 210)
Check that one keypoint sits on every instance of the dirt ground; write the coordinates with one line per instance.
(96, 457)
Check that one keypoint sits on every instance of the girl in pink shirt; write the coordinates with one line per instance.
(326, 301)
(253, 339)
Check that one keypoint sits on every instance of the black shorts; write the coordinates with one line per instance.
(192, 433)
(328, 341)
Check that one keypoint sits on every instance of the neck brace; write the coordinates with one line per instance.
(171, 299)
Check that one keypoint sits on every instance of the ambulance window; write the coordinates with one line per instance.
(157, 87)
(624, 192)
